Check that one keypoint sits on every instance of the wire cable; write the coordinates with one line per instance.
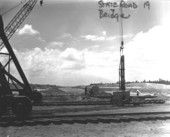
(121, 29)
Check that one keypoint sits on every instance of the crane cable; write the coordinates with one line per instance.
(121, 29)
(14, 7)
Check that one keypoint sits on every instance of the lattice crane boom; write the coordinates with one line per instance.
(17, 20)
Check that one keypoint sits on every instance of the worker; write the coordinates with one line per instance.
(41, 2)
(85, 90)
(137, 92)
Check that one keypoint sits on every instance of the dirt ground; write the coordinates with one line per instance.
(158, 128)
(124, 129)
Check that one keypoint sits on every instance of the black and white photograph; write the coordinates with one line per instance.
(84, 68)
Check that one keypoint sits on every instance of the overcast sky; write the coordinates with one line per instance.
(65, 42)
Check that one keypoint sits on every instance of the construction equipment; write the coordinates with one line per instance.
(21, 105)
(91, 90)
(121, 96)
(24, 88)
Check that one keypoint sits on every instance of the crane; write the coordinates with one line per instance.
(21, 105)
(119, 98)
(26, 94)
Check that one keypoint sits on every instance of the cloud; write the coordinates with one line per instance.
(40, 64)
(66, 35)
(55, 44)
(69, 66)
(41, 39)
(104, 33)
(93, 37)
(147, 55)
(98, 38)
(71, 54)
(68, 40)
(27, 29)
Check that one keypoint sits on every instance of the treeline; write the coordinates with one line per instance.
(160, 81)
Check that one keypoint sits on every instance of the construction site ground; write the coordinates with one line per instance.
(124, 129)
(144, 128)
(103, 109)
